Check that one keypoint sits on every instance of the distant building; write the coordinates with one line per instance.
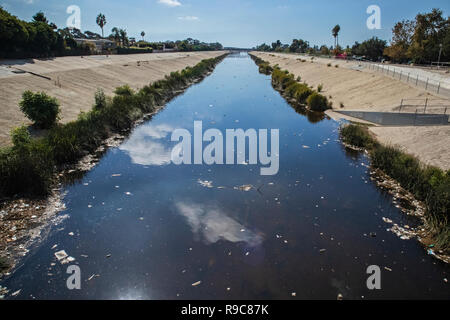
(100, 44)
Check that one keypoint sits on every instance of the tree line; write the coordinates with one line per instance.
(37, 38)
(422, 41)
(188, 44)
(371, 49)
(41, 38)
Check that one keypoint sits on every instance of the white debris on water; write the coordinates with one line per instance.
(15, 294)
(61, 255)
(387, 220)
(245, 187)
(205, 183)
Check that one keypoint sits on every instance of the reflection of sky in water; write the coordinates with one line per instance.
(146, 145)
(214, 225)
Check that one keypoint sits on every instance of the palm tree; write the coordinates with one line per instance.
(335, 32)
(143, 35)
(123, 37)
(116, 34)
(101, 21)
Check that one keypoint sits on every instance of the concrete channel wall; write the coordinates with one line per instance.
(399, 119)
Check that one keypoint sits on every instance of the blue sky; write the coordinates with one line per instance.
(233, 23)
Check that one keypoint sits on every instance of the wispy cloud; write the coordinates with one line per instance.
(170, 3)
(188, 18)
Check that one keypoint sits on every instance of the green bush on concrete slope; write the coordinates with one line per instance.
(40, 108)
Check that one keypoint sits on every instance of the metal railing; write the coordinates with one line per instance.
(440, 65)
(431, 106)
(426, 83)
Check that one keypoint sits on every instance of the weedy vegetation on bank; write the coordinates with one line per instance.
(428, 184)
(286, 83)
(264, 67)
(28, 166)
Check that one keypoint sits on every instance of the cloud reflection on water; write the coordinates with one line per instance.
(213, 224)
(145, 146)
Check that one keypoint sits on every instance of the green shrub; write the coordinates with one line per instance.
(317, 102)
(282, 79)
(40, 108)
(329, 65)
(357, 136)
(303, 93)
(20, 137)
(27, 167)
(265, 68)
(320, 87)
(292, 89)
(124, 90)
(100, 99)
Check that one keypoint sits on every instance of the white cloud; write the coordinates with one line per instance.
(145, 146)
(188, 18)
(170, 3)
(214, 225)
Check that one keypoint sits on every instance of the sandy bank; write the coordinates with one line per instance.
(358, 89)
(74, 80)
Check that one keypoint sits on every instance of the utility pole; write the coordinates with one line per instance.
(439, 59)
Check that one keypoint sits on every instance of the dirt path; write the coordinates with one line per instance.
(74, 80)
(351, 88)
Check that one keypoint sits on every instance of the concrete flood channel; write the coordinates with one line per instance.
(140, 227)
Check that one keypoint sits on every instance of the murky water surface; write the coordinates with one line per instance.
(144, 228)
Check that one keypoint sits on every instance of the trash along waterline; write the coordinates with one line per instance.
(141, 227)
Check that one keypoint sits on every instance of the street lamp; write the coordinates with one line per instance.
(439, 59)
